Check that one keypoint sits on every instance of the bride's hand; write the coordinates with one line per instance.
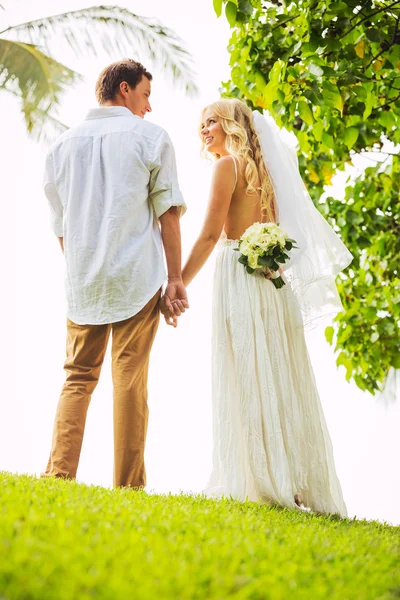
(269, 273)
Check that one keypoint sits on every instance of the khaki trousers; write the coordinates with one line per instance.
(132, 340)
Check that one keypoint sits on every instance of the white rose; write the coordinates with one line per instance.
(252, 229)
(282, 240)
(244, 247)
(253, 261)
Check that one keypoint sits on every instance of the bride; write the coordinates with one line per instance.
(271, 442)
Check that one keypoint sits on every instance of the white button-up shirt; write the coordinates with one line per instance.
(107, 181)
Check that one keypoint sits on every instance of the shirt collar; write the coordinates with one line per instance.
(109, 111)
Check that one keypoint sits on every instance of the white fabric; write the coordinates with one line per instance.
(321, 255)
(107, 181)
(270, 437)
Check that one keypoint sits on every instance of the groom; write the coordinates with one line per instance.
(115, 203)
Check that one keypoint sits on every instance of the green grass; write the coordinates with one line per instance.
(63, 540)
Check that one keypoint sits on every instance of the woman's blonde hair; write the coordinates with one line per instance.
(242, 143)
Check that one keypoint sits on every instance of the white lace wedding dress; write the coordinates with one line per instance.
(271, 442)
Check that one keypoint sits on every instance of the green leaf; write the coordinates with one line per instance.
(270, 93)
(396, 362)
(217, 7)
(369, 103)
(245, 7)
(360, 382)
(315, 70)
(328, 140)
(363, 242)
(276, 71)
(250, 270)
(374, 337)
(230, 12)
(329, 333)
(331, 95)
(333, 45)
(387, 120)
(305, 112)
(260, 81)
(242, 259)
(350, 137)
(265, 261)
(373, 35)
(346, 362)
(318, 130)
(344, 335)
(341, 359)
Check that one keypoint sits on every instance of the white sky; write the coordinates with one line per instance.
(364, 431)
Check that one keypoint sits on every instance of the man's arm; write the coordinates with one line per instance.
(55, 204)
(175, 290)
(169, 206)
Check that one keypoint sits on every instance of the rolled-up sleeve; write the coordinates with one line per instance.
(56, 207)
(164, 189)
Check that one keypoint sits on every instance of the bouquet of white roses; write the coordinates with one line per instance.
(263, 247)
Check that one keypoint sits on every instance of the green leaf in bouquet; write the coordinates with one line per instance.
(242, 259)
(265, 261)
(288, 245)
(276, 250)
(274, 266)
(281, 259)
(250, 270)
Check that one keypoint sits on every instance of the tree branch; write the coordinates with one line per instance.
(367, 17)
(391, 43)
(381, 106)
(360, 11)
(375, 57)
(284, 22)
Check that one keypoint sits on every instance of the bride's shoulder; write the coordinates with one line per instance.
(224, 167)
(225, 160)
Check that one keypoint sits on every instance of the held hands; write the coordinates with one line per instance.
(174, 302)
(269, 273)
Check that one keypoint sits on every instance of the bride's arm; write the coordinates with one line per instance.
(218, 206)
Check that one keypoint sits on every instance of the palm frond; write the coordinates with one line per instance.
(47, 128)
(115, 30)
(37, 79)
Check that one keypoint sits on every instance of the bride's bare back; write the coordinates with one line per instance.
(244, 209)
(231, 209)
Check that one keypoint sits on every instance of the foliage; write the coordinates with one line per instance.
(330, 72)
(36, 79)
(28, 71)
(61, 540)
(367, 330)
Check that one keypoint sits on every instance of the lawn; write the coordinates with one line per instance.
(66, 541)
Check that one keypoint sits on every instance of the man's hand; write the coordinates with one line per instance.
(174, 301)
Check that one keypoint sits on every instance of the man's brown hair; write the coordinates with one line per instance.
(107, 86)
